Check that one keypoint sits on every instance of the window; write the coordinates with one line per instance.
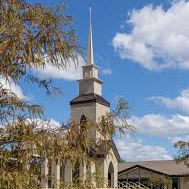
(75, 173)
(50, 183)
(83, 119)
(83, 122)
(176, 183)
(62, 172)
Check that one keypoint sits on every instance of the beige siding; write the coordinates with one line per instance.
(90, 86)
(139, 172)
(184, 183)
(89, 110)
(103, 166)
(101, 110)
(93, 111)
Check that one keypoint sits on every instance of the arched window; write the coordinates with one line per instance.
(111, 175)
(83, 122)
(50, 172)
(83, 119)
(62, 173)
(75, 172)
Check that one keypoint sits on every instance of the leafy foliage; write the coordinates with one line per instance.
(183, 152)
(31, 37)
(26, 143)
(159, 182)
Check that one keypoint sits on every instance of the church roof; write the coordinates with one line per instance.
(168, 167)
(101, 152)
(88, 98)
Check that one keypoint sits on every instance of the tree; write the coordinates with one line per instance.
(31, 37)
(24, 144)
(160, 182)
(183, 152)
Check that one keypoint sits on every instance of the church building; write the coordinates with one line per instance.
(90, 104)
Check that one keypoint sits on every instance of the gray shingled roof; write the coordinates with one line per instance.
(169, 167)
(88, 98)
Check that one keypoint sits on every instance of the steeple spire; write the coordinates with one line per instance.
(90, 43)
(90, 84)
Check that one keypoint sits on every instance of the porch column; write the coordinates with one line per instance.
(112, 180)
(44, 173)
(103, 170)
(56, 173)
(82, 170)
(115, 175)
(91, 169)
(68, 171)
(169, 186)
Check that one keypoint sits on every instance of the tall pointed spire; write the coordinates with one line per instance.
(90, 83)
(90, 43)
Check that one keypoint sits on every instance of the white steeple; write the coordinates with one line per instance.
(90, 84)
(90, 42)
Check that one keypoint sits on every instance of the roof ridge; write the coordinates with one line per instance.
(147, 161)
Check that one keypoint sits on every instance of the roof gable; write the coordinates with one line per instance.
(101, 153)
(139, 166)
(167, 167)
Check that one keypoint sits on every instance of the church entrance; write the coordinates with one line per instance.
(111, 175)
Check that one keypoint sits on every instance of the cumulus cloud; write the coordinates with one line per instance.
(132, 149)
(159, 38)
(107, 71)
(160, 125)
(16, 89)
(174, 140)
(43, 124)
(50, 123)
(72, 71)
(181, 102)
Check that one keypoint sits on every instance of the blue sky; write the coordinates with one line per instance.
(143, 57)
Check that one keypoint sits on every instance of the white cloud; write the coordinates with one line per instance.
(174, 140)
(50, 123)
(181, 102)
(161, 126)
(131, 149)
(16, 89)
(72, 71)
(107, 71)
(159, 38)
(43, 124)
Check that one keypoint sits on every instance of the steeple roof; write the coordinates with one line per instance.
(90, 43)
(89, 98)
